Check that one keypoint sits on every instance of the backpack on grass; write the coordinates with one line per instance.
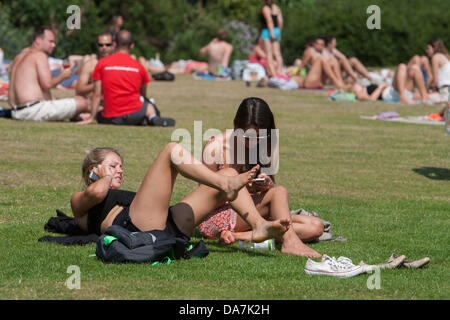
(163, 76)
(119, 245)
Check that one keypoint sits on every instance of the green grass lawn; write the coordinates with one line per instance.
(384, 186)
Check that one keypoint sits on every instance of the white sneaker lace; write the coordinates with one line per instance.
(346, 261)
(342, 263)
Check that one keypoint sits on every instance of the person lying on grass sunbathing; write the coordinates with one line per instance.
(255, 121)
(101, 204)
(408, 86)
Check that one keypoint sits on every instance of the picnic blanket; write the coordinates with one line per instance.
(393, 116)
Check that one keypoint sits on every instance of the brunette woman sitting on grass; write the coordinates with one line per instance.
(255, 121)
(101, 204)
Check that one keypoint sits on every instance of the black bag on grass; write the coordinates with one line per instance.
(118, 244)
(163, 76)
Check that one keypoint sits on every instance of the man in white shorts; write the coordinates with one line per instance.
(31, 81)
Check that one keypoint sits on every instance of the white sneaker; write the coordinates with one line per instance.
(342, 267)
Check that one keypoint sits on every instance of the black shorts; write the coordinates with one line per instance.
(136, 118)
(123, 219)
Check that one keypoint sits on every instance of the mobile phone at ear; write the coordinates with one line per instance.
(93, 176)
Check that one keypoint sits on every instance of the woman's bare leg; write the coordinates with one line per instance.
(400, 83)
(319, 67)
(278, 57)
(267, 45)
(415, 73)
(345, 63)
(422, 62)
(203, 200)
(307, 228)
(359, 67)
(300, 81)
(275, 205)
(336, 68)
(149, 208)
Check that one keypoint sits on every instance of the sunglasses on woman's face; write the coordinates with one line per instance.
(254, 137)
(104, 44)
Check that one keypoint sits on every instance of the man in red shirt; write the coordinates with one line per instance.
(123, 81)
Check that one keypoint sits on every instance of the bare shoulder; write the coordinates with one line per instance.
(439, 57)
(276, 9)
(75, 199)
(308, 52)
(22, 54)
(266, 10)
(89, 65)
(37, 56)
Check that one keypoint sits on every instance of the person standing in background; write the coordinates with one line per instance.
(272, 24)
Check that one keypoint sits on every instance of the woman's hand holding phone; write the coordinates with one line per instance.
(99, 172)
(261, 183)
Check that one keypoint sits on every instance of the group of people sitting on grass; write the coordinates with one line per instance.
(112, 90)
(100, 95)
(417, 81)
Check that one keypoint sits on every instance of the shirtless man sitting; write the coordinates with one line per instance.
(31, 81)
(319, 69)
(219, 52)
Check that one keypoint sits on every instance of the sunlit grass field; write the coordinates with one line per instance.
(384, 186)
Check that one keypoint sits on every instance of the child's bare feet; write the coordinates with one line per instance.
(236, 183)
(271, 229)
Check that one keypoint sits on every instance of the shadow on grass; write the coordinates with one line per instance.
(433, 173)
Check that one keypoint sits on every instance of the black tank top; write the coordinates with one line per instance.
(264, 22)
(98, 213)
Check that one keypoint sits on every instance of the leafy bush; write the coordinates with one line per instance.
(406, 26)
(12, 39)
(177, 29)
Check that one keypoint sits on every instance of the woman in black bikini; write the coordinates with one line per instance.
(102, 204)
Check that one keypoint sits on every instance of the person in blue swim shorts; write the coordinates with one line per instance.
(272, 24)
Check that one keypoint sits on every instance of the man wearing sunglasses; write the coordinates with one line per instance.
(105, 47)
(123, 82)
